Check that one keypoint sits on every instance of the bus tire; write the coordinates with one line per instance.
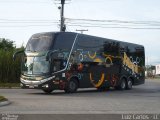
(48, 91)
(122, 85)
(72, 86)
(129, 84)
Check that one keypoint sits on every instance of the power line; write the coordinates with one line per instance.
(20, 1)
(115, 21)
(97, 26)
(154, 25)
(84, 23)
(26, 20)
(14, 21)
(27, 25)
(147, 28)
(111, 24)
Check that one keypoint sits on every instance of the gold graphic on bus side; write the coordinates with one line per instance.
(93, 56)
(129, 64)
(100, 82)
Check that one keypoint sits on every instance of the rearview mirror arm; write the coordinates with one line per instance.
(16, 53)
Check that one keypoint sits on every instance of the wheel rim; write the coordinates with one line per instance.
(72, 86)
(123, 84)
(129, 84)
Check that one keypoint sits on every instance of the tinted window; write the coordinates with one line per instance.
(64, 41)
(87, 43)
(111, 47)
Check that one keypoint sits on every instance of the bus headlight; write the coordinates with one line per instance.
(45, 86)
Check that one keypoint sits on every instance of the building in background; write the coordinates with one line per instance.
(158, 69)
(150, 71)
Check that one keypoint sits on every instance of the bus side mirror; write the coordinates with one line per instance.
(16, 53)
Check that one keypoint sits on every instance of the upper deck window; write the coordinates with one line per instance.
(40, 42)
(64, 41)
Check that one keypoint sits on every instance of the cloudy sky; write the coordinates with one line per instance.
(136, 21)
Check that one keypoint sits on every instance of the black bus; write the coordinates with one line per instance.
(68, 61)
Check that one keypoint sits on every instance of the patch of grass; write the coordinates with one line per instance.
(157, 77)
(9, 85)
(2, 99)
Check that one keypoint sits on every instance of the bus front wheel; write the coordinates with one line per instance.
(48, 91)
(71, 86)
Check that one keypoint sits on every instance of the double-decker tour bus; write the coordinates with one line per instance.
(68, 61)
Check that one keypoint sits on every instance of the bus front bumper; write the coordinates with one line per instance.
(39, 84)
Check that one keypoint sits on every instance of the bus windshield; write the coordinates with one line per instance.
(35, 65)
(51, 61)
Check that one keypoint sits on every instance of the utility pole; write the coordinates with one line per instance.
(82, 30)
(62, 26)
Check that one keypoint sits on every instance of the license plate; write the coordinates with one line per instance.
(31, 86)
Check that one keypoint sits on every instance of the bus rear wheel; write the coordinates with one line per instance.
(72, 86)
(48, 91)
(129, 84)
(122, 85)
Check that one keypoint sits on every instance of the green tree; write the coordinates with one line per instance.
(6, 44)
(9, 69)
